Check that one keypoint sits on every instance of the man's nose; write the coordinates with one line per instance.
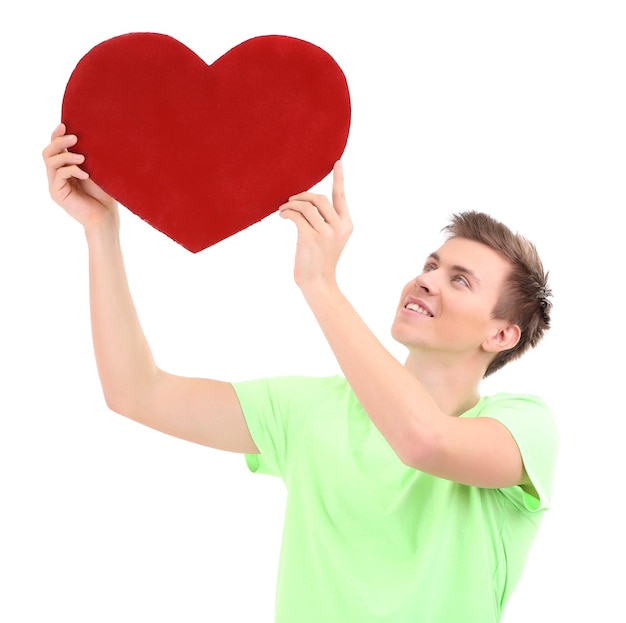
(426, 283)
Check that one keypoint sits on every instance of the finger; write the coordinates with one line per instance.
(308, 210)
(339, 195)
(58, 131)
(302, 224)
(307, 196)
(65, 160)
(65, 173)
(321, 203)
(59, 144)
(62, 167)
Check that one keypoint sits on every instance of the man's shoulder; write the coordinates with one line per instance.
(520, 401)
(520, 412)
(293, 389)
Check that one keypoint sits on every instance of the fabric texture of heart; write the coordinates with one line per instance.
(202, 151)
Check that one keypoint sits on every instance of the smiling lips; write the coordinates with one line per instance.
(418, 308)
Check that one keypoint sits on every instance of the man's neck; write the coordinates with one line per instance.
(453, 384)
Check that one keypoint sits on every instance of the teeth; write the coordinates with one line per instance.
(417, 308)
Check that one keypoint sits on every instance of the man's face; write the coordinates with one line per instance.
(448, 307)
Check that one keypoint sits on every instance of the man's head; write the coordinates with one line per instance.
(525, 296)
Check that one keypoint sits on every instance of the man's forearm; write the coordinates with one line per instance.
(396, 402)
(124, 360)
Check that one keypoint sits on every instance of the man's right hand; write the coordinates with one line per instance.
(71, 187)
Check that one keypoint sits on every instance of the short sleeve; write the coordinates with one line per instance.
(534, 428)
(273, 409)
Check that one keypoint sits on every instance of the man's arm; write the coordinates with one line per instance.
(199, 410)
(473, 451)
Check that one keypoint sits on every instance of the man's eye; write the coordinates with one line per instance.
(462, 280)
(429, 267)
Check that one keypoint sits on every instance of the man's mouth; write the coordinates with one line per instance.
(418, 309)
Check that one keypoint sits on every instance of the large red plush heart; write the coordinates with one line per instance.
(202, 151)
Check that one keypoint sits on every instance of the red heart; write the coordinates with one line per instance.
(202, 151)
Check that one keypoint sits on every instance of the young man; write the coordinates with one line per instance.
(411, 498)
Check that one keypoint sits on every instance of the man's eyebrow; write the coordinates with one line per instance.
(456, 267)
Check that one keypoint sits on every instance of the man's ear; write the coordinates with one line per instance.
(505, 337)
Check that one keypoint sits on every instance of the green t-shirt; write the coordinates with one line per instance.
(367, 539)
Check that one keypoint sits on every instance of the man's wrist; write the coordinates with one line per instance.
(321, 292)
(104, 232)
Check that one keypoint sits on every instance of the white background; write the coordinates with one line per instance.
(513, 108)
